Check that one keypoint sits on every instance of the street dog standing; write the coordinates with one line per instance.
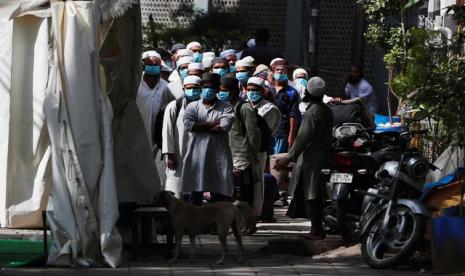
(192, 220)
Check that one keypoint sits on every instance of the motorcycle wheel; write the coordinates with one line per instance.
(383, 248)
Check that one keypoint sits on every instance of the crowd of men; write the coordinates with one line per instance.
(215, 120)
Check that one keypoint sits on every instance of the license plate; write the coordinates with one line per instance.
(341, 178)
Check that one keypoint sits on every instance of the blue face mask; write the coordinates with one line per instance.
(169, 63)
(183, 73)
(192, 94)
(198, 57)
(220, 71)
(232, 68)
(302, 82)
(280, 77)
(223, 96)
(152, 69)
(242, 77)
(254, 96)
(208, 94)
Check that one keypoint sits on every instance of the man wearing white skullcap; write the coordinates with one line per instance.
(195, 69)
(230, 56)
(244, 70)
(175, 86)
(271, 115)
(174, 135)
(207, 60)
(196, 49)
(311, 149)
(300, 80)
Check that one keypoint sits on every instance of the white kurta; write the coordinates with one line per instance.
(150, 101)
(208, 161)
(174, 141)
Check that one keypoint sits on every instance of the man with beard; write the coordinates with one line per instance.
(359, 88)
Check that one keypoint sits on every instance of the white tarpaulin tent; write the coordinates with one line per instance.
(61, 63)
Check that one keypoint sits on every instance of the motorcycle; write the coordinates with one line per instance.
(393, 220)
(352, 166)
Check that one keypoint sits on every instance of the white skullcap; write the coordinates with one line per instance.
(248, 59)
(227, 53)
(193, 44)
(150, 54)
(299, 71)
(207, 59)
(165, 68)
(260, 69)
(316, 86)
(184, 60)
(195, 66)
(257, 81)
(274, 60)
(244, 63)
(184, 53)
(251, 43)
(191, 79)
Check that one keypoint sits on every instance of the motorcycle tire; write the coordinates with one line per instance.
(404, 253)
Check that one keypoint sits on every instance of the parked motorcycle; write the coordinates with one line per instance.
(393, 220)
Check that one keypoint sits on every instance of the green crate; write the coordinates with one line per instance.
(15, 253)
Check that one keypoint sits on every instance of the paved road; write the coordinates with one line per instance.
(261, 259)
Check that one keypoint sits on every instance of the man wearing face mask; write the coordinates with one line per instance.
(243, 73)
(311, 149)
(151, 95)
(244, 141)
(300, 78)
(230, 56)
(181, 53)
(175, 87)
(208, 161)
(197, 51)
(287, 100)
(174, 135)
(220, 66)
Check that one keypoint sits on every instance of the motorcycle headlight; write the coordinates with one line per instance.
(416, 167)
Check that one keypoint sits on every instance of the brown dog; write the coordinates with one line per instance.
(192, 220)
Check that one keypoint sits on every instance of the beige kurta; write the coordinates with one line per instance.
(311, 149)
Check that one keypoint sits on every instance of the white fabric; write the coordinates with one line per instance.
(244, 62)
(84, 189)
(174, 141)
(274, 60)
(248, 59)
(174, 76)
(251, 43)
(298, 72)
(451, 159)
(365, 91)
(207, 59)
(192, 80)
(227, 53)
(152, 53)
(175, 88)
(192, 45)
(270, 113)
(149, 102)
(195, 66)
(184, 60)
(25, 177)
(184, 53)
(208, 161)
(257, 81)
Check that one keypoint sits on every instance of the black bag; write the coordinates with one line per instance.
(157, 131)
(262, 125)
(346, 113)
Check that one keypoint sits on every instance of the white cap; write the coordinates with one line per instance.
(184, 53)
(195, 66)
(248, 59)
(273, 61)
(184, 60)
(191, 79)
(150, 54)
(316, 86)
(299, 71)
(165, 68)
(244, 63)
(251, 43)
(227, 53)
(257, 81)
(207, 59)
(193, 44)
(260, 69)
